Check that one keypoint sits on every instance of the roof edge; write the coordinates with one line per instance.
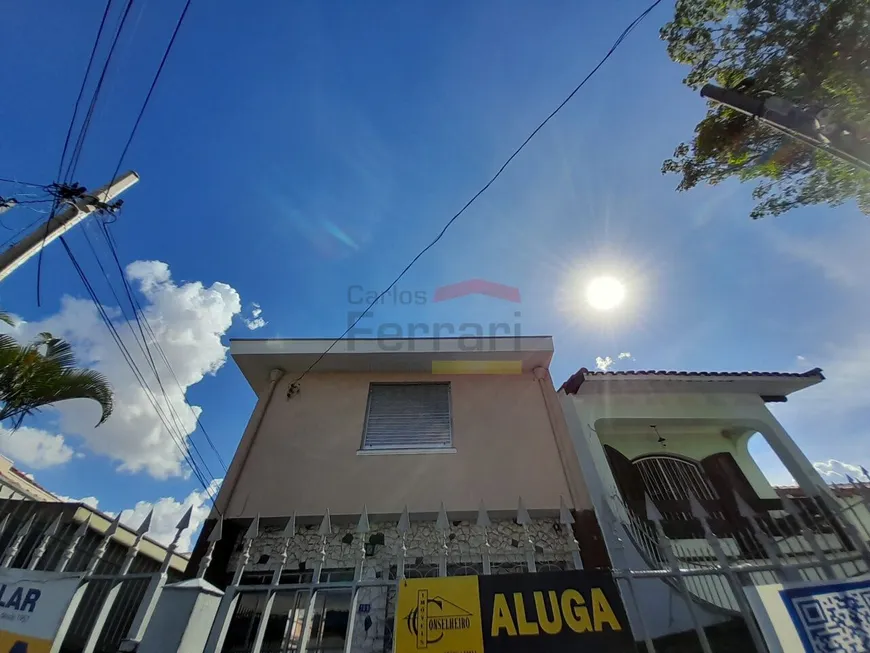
(572, 385)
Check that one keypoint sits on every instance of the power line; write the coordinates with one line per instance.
(486, 186)
(82, 88)
(137, 309)
(134, 302)
(153, 85)
(177, 439)
(69, 131)
(19, 232)
(23, 183)
(146, 350)
(86, 123)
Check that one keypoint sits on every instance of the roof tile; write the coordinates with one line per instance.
(576, 380)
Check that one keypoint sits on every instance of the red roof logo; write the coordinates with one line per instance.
(477, 287)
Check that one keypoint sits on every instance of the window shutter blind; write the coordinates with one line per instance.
(408, 416)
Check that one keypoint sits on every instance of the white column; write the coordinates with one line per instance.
(795, 460)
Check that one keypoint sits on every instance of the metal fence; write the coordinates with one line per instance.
(709, 564)
(304, 588)
(118, 587)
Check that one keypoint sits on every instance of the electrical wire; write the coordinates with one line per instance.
(69, 131)
(86, 123)
(486, 186)
(137, 309)
(82, 87)
(151, 89)
(23, 183)
(146, 350)
(146, 353)
(17, 233)
(176, 438)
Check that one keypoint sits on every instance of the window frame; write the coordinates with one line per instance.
(368, 450)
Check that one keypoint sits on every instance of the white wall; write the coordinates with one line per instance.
(695, 442)
(696, 422)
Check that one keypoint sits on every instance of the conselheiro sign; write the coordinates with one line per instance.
(32, 606)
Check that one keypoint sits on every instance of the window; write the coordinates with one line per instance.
(670, 481)
(408, 416)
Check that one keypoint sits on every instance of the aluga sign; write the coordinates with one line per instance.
(551, 612)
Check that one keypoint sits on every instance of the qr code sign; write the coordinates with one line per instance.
(832, 618)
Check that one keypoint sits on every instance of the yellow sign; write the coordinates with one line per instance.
(14, 643)
(550, 612)
(439, 615)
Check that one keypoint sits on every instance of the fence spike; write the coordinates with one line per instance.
(113, 527)
(523, 518)
(254, 529)
(184, 522)
(28, 526)
(850, 479)
(325, 525)
(404, 522)
(83, 527)
(483, 520)
(743, 508)
(145, 526)
(442, 523)
(865, 472)
(652, 513)
(290, 528)
(218, 531)
(565, 516)
(3, 523)
(363, 524)
(53, 528)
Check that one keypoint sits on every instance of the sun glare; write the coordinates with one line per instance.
(605, 293)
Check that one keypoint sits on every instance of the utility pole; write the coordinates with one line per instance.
(817, 130)
(77, 211)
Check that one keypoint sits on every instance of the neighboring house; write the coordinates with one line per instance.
(465, 434)
(853, 499)
(26, 525)
(15, 484)
(663, 438)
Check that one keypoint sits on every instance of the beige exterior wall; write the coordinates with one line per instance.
(304, 456)
(15, 486)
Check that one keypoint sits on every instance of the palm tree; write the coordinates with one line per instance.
(43, 373)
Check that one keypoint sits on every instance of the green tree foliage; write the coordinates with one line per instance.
(42, 373)
(815, 53)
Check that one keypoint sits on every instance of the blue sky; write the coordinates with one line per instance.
(295, 149)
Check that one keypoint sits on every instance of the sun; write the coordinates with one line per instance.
(605, 293)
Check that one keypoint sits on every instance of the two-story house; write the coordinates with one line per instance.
(440, 456)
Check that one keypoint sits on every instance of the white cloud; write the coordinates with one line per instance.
(603, 364)
(188, 320)
(167, 513)
(93, 502)
(35, 448)
(255, 321)
(835, 471)
(624, 355)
